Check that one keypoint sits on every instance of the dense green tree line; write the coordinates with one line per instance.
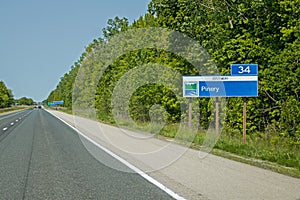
(6, 96)
(25, 101)
(232, 31)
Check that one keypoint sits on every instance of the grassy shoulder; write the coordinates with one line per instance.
(281, 156)
(276, 154)
(12, 109)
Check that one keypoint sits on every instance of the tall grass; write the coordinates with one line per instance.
(281, 151)
(14, 108)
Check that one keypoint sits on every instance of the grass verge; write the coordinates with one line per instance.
(12, 109)
(280, 157)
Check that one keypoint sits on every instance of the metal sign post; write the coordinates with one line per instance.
(217, 116)
(244, 119)
(244, 70)
(190, 113)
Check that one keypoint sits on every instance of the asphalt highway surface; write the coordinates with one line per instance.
(43, 158)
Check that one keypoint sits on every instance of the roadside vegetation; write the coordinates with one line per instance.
(6, 96)
(262, 32)
(8, 103)
(13, 108)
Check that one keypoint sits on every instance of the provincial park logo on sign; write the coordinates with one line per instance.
(191, 89)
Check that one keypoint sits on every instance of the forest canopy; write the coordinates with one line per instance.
(232, 31)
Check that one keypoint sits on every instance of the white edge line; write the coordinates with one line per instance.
(135, 169)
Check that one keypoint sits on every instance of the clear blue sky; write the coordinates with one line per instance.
(41, 39)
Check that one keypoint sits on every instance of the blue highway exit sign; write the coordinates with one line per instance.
(220, 86)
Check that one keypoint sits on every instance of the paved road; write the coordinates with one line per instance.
(212, 178)
(42, 158)
(9, 121)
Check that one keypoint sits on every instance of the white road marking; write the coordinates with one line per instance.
(10, 115)
(137, 170)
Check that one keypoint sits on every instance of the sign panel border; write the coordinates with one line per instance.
(218, 84)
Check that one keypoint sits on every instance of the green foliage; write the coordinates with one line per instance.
(64, 89)
(263, 32)
(240, 31)
(115, 26)
(25, 101)
(6, 96)
(265, 147)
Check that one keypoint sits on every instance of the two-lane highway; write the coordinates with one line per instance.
(42, 158)
(10, 121)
